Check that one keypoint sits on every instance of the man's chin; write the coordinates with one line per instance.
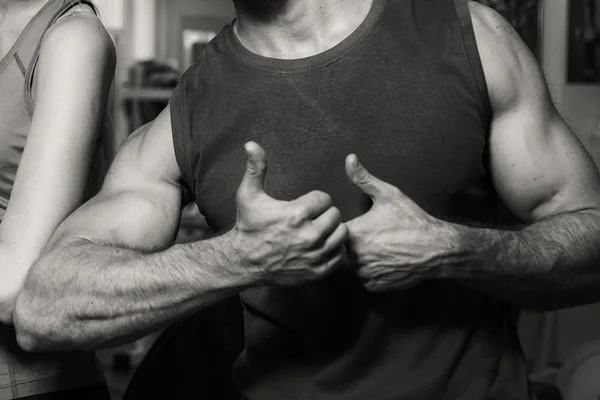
(262, 9)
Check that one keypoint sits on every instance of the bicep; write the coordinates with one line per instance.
(539, 167)
(139, 205)
(73, 77)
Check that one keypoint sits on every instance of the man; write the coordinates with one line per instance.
(443, 104)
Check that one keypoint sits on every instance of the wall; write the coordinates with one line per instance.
(111, 13)
(143, 29)
(579, 104)
(171, 14)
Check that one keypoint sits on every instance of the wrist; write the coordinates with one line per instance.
(475, 251)
(238, 254)
(460, 252)
(218, 262)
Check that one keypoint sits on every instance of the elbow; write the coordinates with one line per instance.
(27, 341)
(40, 329)
(26, 320)
(38, 317)
(32, 340)
(45, 318)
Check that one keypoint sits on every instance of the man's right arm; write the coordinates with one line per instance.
(110, 273)
(104, 279)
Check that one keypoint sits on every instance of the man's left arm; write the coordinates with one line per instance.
(541, 172)
(546, 178)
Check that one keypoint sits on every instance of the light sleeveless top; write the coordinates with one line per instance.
(25, 374)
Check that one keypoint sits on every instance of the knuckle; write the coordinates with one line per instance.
(336, 214)
(309, 237)
(327, 261)
(365, 176)
(298, 215)
(322, 197)
(394, 191)
(345, 232)
(251, 170)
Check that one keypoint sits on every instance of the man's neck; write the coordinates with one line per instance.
(305, 28)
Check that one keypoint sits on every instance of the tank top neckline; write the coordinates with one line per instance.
(17, 45)
(251, 59)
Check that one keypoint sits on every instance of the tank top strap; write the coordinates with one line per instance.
(27, 54)
(39, 25)
(470, 45)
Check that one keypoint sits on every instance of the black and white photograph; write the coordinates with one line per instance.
(299, 200)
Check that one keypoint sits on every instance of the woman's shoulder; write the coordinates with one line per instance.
(79, 33)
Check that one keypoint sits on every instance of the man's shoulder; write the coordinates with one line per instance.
(149, 154)
(507, 62)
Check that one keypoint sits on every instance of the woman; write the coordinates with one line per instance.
(57, 64)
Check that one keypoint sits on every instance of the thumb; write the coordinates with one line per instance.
(363, 180)
(256, 169)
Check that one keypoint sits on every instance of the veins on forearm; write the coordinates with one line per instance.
(554, 251)
(548, 265)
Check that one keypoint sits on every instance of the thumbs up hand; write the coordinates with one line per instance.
(285, 243)
(396, 244)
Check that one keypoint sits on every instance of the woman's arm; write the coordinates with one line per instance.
(73, 78)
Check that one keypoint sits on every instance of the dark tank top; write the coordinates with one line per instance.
(405, 92)
(21, 373)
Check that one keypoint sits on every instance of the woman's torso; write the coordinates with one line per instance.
(23, 374)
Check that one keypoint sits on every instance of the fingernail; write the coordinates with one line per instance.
(355, 163)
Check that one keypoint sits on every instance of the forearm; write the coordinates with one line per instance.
(553, 263)
(13, 270)
(85, 295)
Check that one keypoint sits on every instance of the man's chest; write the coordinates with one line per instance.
(429, 157)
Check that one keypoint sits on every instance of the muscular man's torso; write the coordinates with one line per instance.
(405, 92)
